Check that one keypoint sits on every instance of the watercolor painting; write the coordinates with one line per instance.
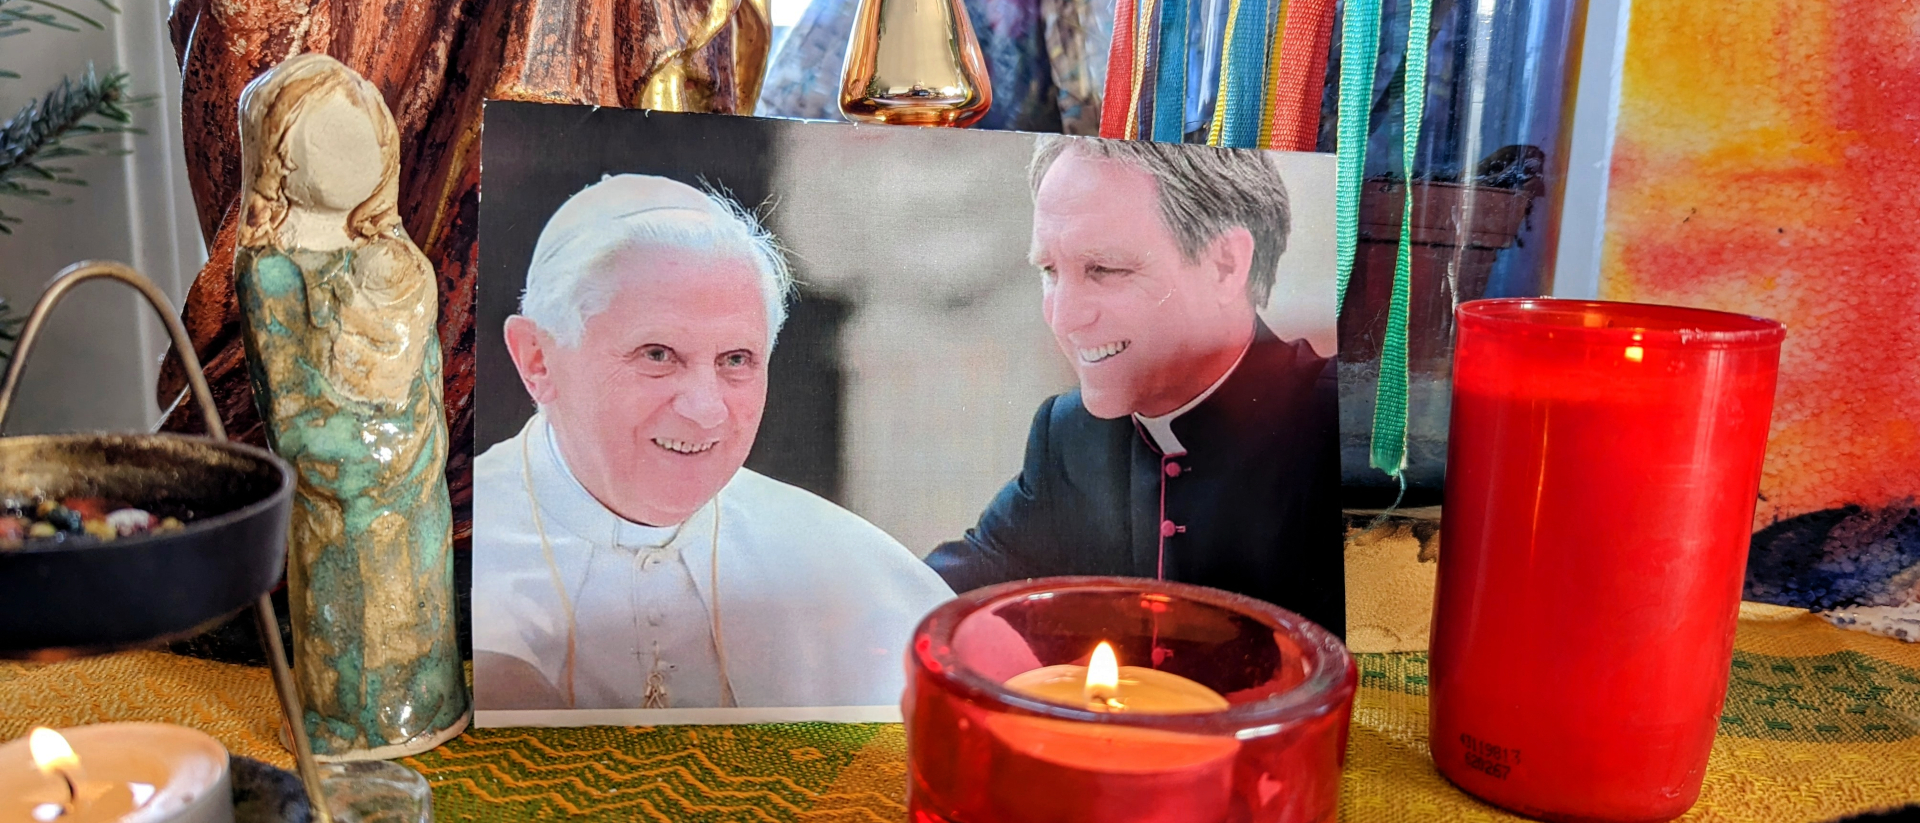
(1766, 162)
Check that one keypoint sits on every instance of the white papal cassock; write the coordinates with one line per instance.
(808, 604)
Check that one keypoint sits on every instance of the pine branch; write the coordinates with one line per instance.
(93, 106)
(17, 15)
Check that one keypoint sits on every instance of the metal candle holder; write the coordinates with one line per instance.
(230, 559)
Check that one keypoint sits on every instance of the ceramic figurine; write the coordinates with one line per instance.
(338, 310)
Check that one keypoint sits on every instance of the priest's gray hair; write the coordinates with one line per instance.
(1203, 191)
(569, 280)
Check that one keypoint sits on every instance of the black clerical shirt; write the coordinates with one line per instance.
(1251, 507)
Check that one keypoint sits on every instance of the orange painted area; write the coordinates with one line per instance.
(1767, 161)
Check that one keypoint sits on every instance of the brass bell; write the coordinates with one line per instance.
(914, 63)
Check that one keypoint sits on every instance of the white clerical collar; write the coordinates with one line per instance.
(576, 509)
(1161, 428)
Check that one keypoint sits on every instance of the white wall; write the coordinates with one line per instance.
(95, 366)
(1583, 215)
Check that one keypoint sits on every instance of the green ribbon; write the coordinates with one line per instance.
(1359, 52)
(1390, 399)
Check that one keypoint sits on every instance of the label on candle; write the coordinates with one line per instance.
(1494, 760)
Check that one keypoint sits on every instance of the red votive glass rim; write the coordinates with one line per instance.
(980, 752)
(1604, 461)
(1602, 322)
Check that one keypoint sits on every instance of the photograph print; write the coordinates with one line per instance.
(756, 395)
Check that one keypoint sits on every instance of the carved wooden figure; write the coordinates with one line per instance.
(337, 313)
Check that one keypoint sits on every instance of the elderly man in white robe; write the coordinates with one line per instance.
(623, 558)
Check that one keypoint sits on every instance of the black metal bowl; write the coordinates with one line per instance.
(85, 596)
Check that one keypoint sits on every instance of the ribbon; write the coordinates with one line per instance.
(1359, 51)
(1389, 452)
(1267, 91)
(1168, 121)
(1117, 108)
(1272, 75)
(1146, 54)
(1239, 105)
(1297, 77)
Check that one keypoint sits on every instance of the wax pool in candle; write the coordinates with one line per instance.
(1054, 771)
(1107, 686)
(125, 773)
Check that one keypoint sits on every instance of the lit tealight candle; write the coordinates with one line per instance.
(1104, 685)
(119, 772)
(1056, 771)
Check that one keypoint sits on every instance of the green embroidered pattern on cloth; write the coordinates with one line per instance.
(687, 774)
(1844, 697)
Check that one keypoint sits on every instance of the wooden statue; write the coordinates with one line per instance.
(433, 61)
(338, 310)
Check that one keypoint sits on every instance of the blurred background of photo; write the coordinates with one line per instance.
(907, 376)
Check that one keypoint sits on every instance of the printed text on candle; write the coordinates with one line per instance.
(1496, 761)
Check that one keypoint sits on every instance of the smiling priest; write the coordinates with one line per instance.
(622, 556)
(1200, 446)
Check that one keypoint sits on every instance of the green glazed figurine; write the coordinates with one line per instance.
(339, 309)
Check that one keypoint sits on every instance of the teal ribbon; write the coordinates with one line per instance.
(1170, 90)
(1359, 50)
(1241, 111)
(1389, 453)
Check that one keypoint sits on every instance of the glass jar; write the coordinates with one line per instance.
(1601, 481)
(981, 752)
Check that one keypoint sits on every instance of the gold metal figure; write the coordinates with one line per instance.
(675, 84)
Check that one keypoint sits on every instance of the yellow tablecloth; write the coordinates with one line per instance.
(1819, 723)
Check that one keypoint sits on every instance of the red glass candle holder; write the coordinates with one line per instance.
(979, 752)
(1602, 470)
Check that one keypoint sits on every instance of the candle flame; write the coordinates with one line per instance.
(1103, 677)
(51, 752)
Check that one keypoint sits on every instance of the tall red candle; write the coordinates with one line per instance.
(1602, 470)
